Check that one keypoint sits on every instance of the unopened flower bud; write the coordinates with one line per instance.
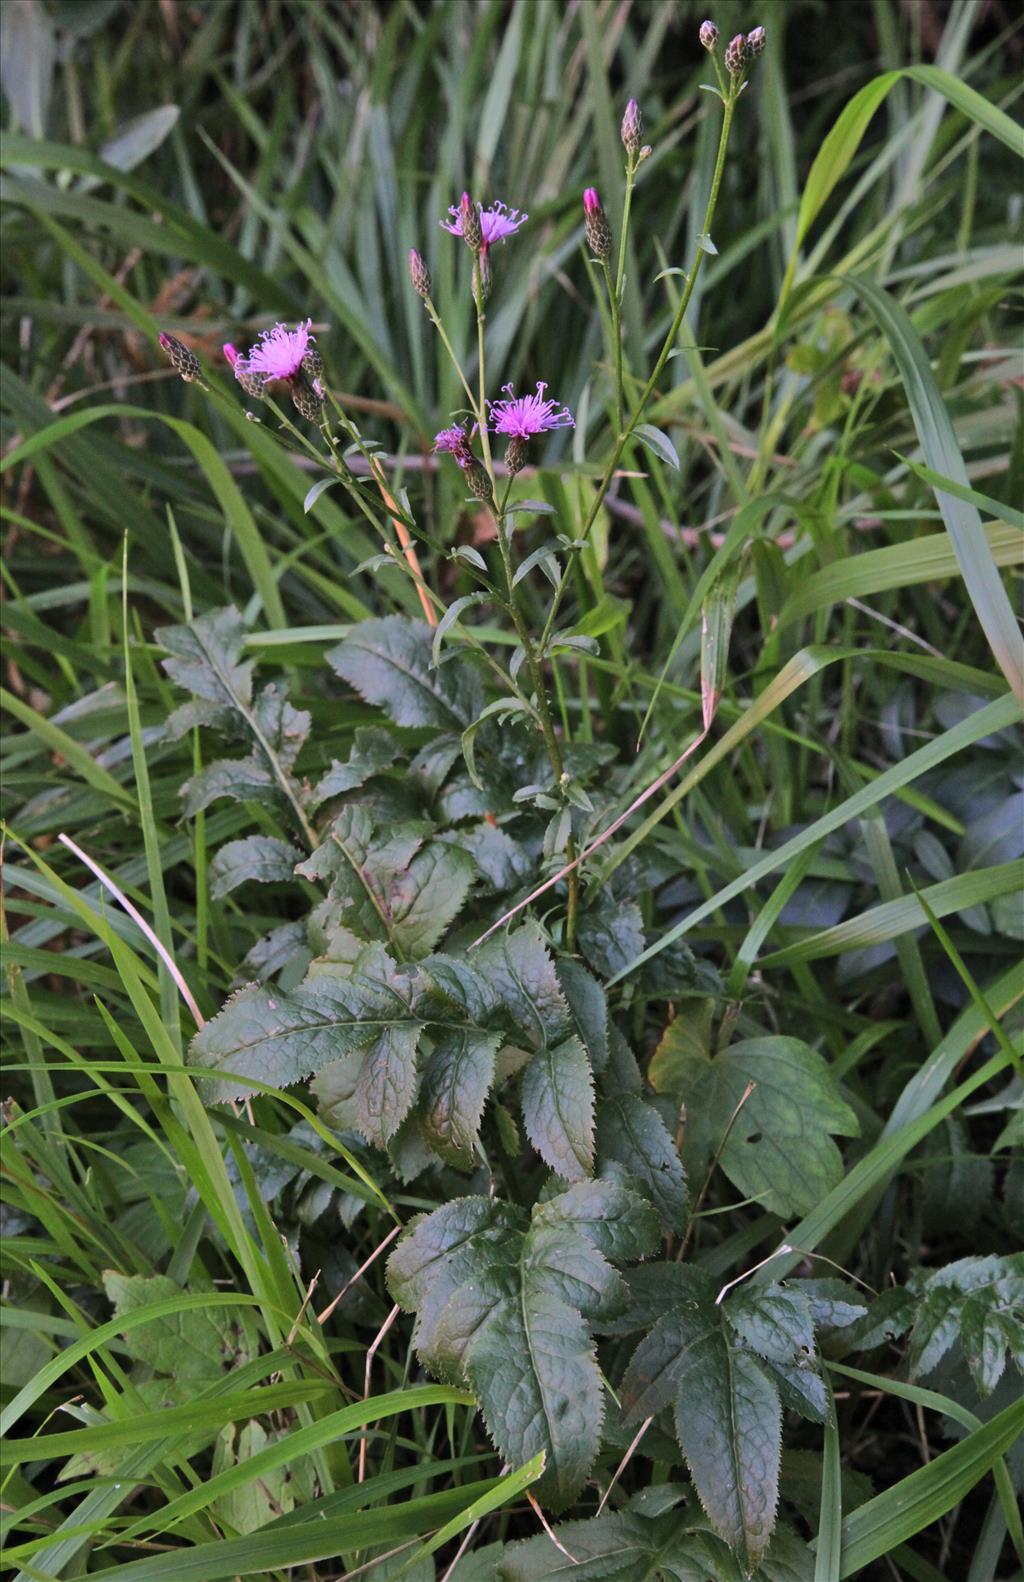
(645, 153)
(478, 481)
(253, 384)
(735, 55)
(469, 216)
(708, 35)
(515, 455)
(482, 276)
(756, 42)
(599, 236)
(305, 400)
(182, 359)
(632, 128)
(419, 274)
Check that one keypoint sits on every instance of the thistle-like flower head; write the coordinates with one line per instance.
(708, 34)
(496, 223)
(454, 441)
(756, 42)
(520, 417)
(278, 353)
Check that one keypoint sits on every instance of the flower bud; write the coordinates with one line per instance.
(645, 153)
(632, 128)
(482, 276)
(469, 217)
(182, 359)
(305, 399)
(253, 384)
(478, 481)
(735, 55)
(708, 35)
(515, 455)
(755, 43)
(599, 235)
(419, 274)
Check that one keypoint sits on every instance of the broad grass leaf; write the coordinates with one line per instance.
(558, 1108)
(388, 661)
(631, 1133)
(778, 1148)
(262, 858)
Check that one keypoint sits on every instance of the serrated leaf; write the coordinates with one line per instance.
(241, 779)
(727, 1416)
(632, 1133)
(196, 1344)
(205, 657)
(498, 1301)
(981, 1302)
(504, 862)
(558, 1108)
(261, 858)
(457, 1078)
(610, 934)
(390, 886)
(588, 1007)
(521, 972)
(388, 663)
(777, 1145)
(374, 749)
(658, 441)
(617, 1221)
(280, 1037)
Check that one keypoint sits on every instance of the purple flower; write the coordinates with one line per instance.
(521, 416)
(496, 223)
(454, 441)
(277, 354)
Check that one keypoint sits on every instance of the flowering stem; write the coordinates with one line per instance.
(485, 441)
(613, 303)
(543, 711)
(663, 356)
(435, 319)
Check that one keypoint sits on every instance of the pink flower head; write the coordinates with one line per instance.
(454, 441)
(230, 352)
(277, 354)
(521, 416)
(496, 223)
(592, 202)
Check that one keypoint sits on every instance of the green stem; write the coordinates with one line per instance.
(481, 316)
(536, 669)
(663, 356)
(613, 304)
(435, 319)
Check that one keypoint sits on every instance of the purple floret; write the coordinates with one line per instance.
(278, 353)
(522, 416)
(496, 223)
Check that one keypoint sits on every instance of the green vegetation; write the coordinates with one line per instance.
(512, 991)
